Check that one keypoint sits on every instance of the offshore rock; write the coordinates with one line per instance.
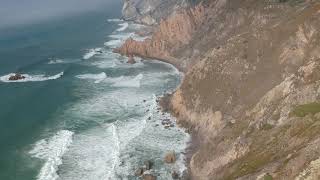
(16, 77)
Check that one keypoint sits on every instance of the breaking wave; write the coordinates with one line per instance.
(97, 77)
(92, 52)
(113, 43)
(123, 27)
(124, 82)
(115, 20)
(51, 150)
(56, 61)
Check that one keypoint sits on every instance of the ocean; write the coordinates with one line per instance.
(82, 112)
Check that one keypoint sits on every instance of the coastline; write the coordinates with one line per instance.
(221, 99)
(194, 141)
(164, 104)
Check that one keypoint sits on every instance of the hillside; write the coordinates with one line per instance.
(251, 90)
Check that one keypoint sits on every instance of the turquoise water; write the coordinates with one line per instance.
(82, 112)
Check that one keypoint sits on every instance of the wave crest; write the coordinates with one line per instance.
(135, 82)
(123, 27)
(97, 77)
(51, 150)
(92, 52)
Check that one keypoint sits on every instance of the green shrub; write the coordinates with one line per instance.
(267, 177)
(303, 110)
(266, 126)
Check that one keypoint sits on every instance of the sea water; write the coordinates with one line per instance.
(82, 112)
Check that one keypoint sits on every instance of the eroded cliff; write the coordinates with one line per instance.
(171, 35)
(251, 91)
(150, 12)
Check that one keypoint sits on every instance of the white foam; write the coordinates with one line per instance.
(30, 78)
(115, 20)
(97, 77)
(109, 63)
(55, 61)
(92, 155)
(51, 150)
(122, 36)
(135, 82)
(116, 153)
(113, 43)
(91, 53)
(123, 27)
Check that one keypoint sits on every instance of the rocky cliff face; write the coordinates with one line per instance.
(150, 12)
(171, 35)
(251, 91)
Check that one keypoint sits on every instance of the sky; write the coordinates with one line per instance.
(13, 12)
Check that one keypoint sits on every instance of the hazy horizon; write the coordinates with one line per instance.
(23, 12)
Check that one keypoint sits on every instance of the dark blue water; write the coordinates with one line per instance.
(25, 108)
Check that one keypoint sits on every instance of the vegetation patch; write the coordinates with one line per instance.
(266, 126)
(268, 177)
(305, 109)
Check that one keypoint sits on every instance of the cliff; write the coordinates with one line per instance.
(171, 35)
(251, 90)
(149, 12)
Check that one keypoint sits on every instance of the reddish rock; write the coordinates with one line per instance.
(172, 33)
(170, 157)
(149, 177)
(131, 59)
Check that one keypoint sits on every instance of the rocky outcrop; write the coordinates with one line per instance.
(131, 59)
(16, 77)
(170, 157)
(149, 177)
(149, 12)
(260, 64)
(172, 34)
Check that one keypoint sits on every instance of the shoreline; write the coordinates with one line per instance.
(164, 104)
(192, 145)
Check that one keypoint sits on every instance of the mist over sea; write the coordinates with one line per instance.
(82, 112)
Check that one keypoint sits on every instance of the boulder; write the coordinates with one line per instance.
(131, 60)
(149, 177)
(170, 157)
(148, 165)
(16, 77)
(175, 175)
(138, 172)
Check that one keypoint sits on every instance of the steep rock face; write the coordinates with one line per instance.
(172, 34)
(252, 85)
(262, 61)
(149, 12)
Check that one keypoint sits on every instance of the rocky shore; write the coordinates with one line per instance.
(251, 90)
